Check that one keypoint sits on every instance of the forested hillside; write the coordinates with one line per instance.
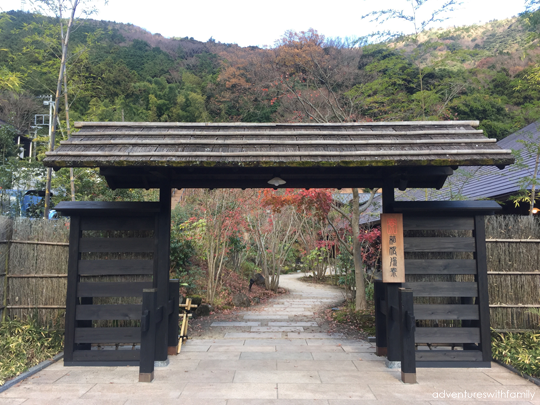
(121, 72)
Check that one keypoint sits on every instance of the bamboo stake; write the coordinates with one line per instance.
(6, 284)
(31, 242)
(515, 306)
(36, 276)
(36, 307)
(514, 240)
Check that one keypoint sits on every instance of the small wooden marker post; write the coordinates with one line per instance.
(184, 328)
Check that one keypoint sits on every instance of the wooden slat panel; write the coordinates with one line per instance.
(447, 335)
(106, 355)
(437, 223)
(120, 245)
(118, 224)
(109, 312)
(448, 355)
(107, 335)
(424, 266)
(443, 244)
(443, 312)
(115, 267)
(443, 289)
(112, 289)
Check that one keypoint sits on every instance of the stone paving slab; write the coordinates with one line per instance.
(237, 365)
(277, 329)
(232, 324)
(47, 392)
(213, 342)
(307, 335)
(243, 349)
(325, 391)
(292, 324)
(275, 356)
(194, 348)
(253, 335)
(341, 342)
(276, 342)
(281, 316)
(315, 365)
(359, 377)
(228, 355)
(225, 391)
(278, 402)
(300, 377)
(305, 349)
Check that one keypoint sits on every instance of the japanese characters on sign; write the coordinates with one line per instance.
(393, 262)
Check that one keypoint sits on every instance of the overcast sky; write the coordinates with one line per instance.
(249, 22)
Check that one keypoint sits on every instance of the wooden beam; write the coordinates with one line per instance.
(344, 154)
(82, 124)
(299, 142)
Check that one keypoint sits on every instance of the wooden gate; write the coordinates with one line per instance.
(445, 266)
(112, 259)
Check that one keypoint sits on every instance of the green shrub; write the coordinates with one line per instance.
(24, 345)
(520, 350)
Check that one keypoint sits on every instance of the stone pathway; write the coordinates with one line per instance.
(279, 353)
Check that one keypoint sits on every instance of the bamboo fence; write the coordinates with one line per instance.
(34, 255)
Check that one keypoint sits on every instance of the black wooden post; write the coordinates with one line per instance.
(388, 196)
(173, 311)
(482, 283)
(163, 267)
(380, 318)
(392, 322)
(407, 326)
(71, 295)
(148, 335)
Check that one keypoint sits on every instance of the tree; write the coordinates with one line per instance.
(57, 8)
(417, 9)
(220, 218)
(314, 78)
(530, 150)
(353, 220)
(276, 225)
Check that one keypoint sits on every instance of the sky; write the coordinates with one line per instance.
(249, 22)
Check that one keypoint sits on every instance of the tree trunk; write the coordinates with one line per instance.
(68, 126)
(56, 106)
(360, 302)
(533, 187)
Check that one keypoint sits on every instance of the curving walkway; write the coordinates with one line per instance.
(280, 353)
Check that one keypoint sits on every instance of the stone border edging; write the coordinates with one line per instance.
(534, 380)
(30, 372)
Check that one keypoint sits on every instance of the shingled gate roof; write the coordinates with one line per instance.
(137, 154)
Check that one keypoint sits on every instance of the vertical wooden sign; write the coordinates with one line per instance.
(393, 258)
